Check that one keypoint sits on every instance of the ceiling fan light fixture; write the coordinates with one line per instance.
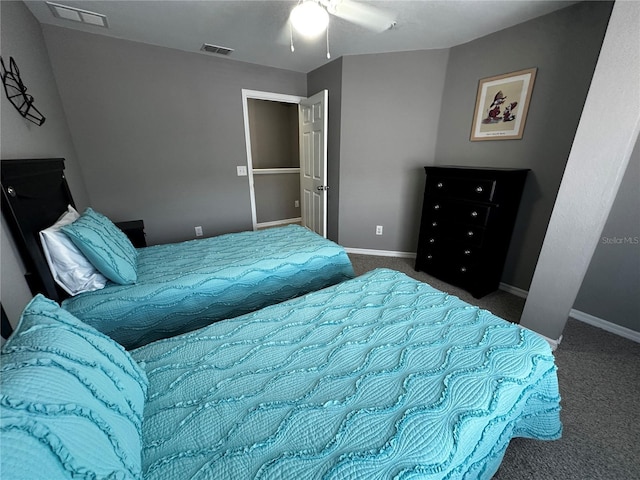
(309, 18)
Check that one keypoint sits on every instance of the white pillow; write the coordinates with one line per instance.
(69, 267)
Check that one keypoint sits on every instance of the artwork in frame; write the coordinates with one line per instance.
(501, 106)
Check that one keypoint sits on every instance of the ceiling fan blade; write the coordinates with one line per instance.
(367, 16)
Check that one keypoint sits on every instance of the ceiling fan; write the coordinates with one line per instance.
(310, 18)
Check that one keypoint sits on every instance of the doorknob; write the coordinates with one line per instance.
(322, 187)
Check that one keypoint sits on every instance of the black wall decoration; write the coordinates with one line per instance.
(17, 93)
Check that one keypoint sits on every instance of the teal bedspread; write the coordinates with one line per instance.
(184, 286)
(377, 377)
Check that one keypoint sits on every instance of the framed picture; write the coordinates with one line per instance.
(501, 106)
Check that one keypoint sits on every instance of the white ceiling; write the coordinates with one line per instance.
(258, 32)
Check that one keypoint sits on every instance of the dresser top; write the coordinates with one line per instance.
(469, 167)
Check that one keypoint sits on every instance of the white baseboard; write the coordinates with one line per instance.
(277, 223)
(605, 325)
(518, 292)
(552, 343)
(380, 253)
(582, 317)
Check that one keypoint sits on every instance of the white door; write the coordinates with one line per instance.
(312, 119)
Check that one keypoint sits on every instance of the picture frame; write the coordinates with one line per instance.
(502, 104)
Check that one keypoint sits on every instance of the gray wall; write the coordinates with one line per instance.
(274, 134)
(612, 282)
(329, 77)
(276, 196)
(159, 132)
(599, 157)
(564, 46)
(22, 39)
(390, 108)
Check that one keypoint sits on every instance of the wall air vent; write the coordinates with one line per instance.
(65, 12)
(207, 47)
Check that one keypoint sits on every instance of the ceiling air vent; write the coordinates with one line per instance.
(207, 47)
(65, 12)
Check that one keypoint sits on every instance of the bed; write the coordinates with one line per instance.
(184, 286)
(380, 376)
(167, 289)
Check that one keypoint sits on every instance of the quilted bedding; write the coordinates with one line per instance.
(184, 286)
(377, 377)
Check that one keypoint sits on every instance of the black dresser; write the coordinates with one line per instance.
(468, 216)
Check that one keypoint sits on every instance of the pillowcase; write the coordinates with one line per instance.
(69, 267)
(71, 400)
(105, 245)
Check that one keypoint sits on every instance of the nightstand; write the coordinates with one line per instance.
(134, 229)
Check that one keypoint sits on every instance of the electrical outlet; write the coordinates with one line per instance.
(198, 231)
(242, 170)
(378, 229)
(296, 204)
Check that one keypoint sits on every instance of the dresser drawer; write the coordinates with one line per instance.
(440, 209)
(462, 254)
(443, 233)
(456, 268)
(481, 190)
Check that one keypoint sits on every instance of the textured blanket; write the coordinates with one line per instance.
(377, 377)
(184, 286)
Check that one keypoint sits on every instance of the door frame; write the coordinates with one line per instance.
(258, 95)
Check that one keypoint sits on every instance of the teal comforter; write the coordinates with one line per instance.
(184, 286)
(377, 377)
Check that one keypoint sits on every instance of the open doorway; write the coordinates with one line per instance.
(273, 159)
(286, 159)
(275, 156)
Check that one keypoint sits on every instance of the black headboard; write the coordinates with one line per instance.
(34, 195)
(5, 327)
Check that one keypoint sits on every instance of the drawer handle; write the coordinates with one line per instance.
(474, 214)
(440, 185)
(436, 207)
(479, 189)
(429, 257)
(434, 224)
(470, 233)
(467, 252)
(463, 269)
(432, 240)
